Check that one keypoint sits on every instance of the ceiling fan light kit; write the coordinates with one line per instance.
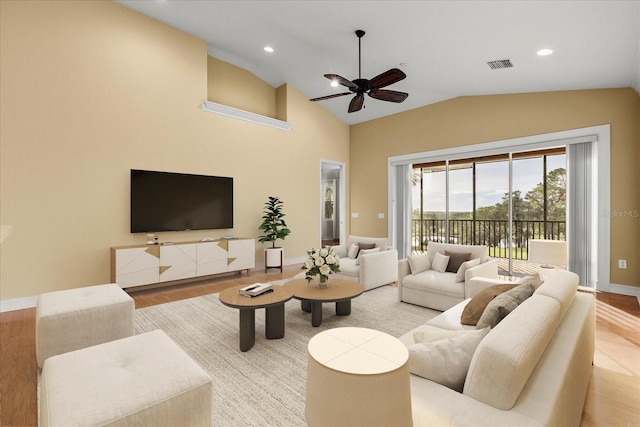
(372, 87)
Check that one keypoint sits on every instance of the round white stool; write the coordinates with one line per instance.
(357, 377)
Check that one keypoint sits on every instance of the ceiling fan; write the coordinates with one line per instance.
(372, 87)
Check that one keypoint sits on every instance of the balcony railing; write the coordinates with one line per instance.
(492, 233)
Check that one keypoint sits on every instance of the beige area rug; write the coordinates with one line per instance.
(266, 385)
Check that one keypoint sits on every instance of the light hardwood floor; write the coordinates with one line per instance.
(613, 398)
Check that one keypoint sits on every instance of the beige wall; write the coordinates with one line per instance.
(238, 88)
(473, 120)
(93, 89)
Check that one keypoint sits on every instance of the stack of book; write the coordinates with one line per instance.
(256, 289)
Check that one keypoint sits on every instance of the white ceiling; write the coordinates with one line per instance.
(445, 44)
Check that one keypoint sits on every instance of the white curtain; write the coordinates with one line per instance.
(401, 235)
(581, 218)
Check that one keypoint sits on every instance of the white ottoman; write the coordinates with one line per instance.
(78, 318)
(143, 380)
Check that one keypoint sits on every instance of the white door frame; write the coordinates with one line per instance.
(342, 210)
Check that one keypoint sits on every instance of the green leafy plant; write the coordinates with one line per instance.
(273, 224)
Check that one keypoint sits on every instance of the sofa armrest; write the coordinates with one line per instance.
(403, 271)
(378, 268)
(487, 270)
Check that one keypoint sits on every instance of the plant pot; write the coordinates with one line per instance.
(273, 258)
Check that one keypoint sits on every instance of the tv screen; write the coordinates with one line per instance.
(166, 201)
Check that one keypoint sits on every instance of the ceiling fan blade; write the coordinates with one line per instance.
(342, 81)
(335, 95)
(388, 95)
(387, 78)
(356, 103)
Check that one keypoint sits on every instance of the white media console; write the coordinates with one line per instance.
(151, 264)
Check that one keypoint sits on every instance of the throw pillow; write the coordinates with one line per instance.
(456, 260)
(464, 267)
(364, 252)
(353, 251)
(474, 309)
(445, 361)
(504, 304)
(439, 262)
(366, 245)
(418, 263)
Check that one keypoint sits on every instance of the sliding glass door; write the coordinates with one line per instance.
(501, 201)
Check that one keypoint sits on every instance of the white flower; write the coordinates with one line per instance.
(324, 252)
(309, 263)
(331, 259)
(319, 261)
(325, 270)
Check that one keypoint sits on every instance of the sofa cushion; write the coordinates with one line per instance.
(503, 304)
(477, 251)
(440, 262)
(348, 267)
(460, 274)
(445, 361)
(419, 263)
(472, 311)
(456, 260)
(435, 282)
(504, 360)
(436, 334)
(363, 245)
(353, 251)
(379, 242)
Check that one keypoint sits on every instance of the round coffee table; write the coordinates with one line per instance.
(311, 297)
(273, 303)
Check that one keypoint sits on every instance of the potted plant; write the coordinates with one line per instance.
(274, 227)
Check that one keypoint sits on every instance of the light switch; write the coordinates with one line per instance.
(381, 215)
(355, 214)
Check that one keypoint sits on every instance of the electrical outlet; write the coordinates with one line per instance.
(622, 263)
(381, 215)
(355, 214)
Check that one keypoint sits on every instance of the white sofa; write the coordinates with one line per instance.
(419, 284)
(371, 267)
(532, 369)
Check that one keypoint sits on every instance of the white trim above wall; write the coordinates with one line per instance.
(600, 135)
(247, 116)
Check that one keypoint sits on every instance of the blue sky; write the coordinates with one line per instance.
(492, 183)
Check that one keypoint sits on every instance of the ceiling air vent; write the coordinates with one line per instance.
(500, 63)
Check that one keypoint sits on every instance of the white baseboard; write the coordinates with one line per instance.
(17, 304)
(625, 290)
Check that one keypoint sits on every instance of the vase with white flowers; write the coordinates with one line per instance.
(320, 265)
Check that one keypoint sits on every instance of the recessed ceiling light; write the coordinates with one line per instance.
(544, 52)
(268, 49)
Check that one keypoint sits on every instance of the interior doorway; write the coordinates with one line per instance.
(332, 191)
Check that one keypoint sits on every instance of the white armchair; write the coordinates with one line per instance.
(421, 283)
(367, 260)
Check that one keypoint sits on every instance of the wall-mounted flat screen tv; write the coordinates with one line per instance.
(167, 201)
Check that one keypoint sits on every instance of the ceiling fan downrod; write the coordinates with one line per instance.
(360, 34)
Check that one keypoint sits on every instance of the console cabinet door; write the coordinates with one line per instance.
(177, 262)
(242, 254)
(136, 266)
(211, 258)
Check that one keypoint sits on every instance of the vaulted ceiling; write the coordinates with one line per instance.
(442, 46)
